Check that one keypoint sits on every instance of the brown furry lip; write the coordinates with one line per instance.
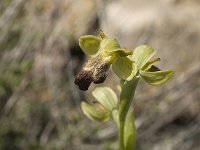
(95, 70)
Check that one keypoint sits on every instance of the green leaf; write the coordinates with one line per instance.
(93, 114)
(142, 54)
(149, 64)
(126, 97)
(109, 45)
(156, 78)
(124, 68)
(106, 96)
(129, 132)
(89, 44)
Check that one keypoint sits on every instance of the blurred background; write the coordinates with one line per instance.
(39, 56)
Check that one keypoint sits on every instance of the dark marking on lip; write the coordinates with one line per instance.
(84, 79)
(154, 68)
(101, 72)
(95, 70)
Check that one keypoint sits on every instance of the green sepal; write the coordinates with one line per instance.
(94, 114)
(129, 131)
(124, 68)
(156, 78)
(109, 45)
(106, 97)
(89, 44)
(149, 64)
(142, 54)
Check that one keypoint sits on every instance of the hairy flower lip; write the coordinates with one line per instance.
(100, 74)
(84, 79)
(95, 70)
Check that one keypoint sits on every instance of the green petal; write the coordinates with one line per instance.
(106, 97)
(89, 44)
(124, 68)
(94, 114)
(149, 64)
(129, 131)
(156, 78)
(142, 54)
(123, 52)
(109, 45)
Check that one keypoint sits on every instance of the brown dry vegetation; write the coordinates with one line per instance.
(39, 55)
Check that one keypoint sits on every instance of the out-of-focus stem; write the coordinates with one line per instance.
(126, 98)
(121, 135)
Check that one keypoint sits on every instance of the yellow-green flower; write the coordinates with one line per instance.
(106, 103)
(102, 52)
(130, 67)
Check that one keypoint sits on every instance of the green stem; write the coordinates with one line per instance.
(121, 135)
(126, 98)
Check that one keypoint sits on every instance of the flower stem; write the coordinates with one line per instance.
(121, 135)
(126, 98)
